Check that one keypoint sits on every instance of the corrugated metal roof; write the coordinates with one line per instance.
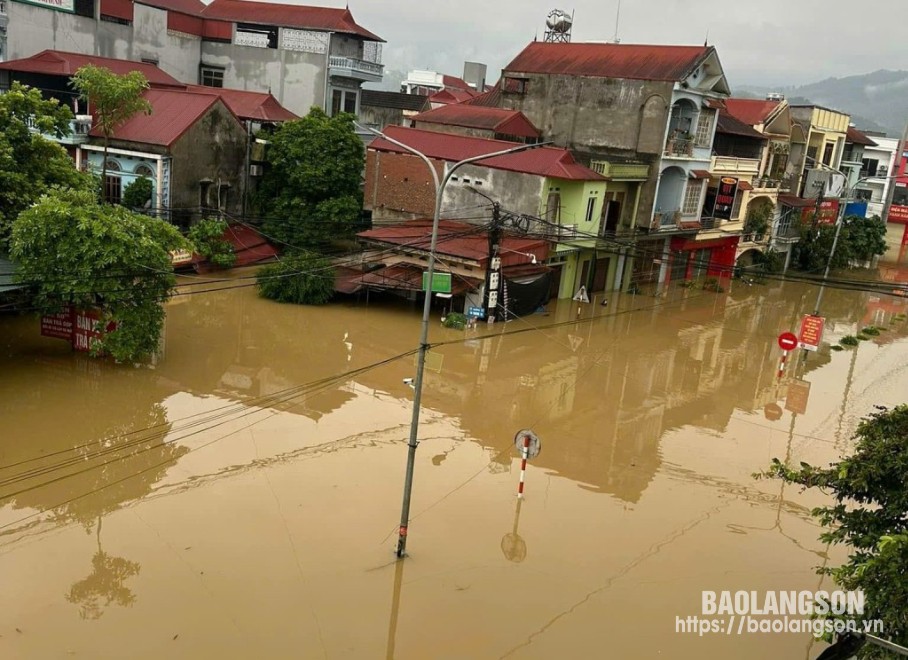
(543, 161)
(61, 63)
(397, 100)
(255, 106)
(858, 137)
(173, 112)
(731, 126)
(293, 16)
(499, 120)
(750, 111)
(458, 239)
(447, 96)
(191, 7)
(489, 99)
(633, 61)
(454, 82)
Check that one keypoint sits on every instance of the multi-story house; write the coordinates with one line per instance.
(819, 166)
(557, 197)
(767, 174)
(877, 165)
(304, 56)
(644, 117)
(856, 143)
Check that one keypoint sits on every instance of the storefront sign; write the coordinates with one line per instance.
(725, 198)
(827, 215)
(59, 5)
(180, 257)
(58, 326)
(79, 327)
(898, 214)
(811, 332)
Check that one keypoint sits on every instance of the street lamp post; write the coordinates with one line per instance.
(426, 309)
(840, 220)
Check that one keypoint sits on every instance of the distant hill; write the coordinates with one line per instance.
(876, 101)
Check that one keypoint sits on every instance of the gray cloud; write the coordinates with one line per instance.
(776, 42)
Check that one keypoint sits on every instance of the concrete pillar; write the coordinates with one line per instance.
(663, 268)
(619, 271)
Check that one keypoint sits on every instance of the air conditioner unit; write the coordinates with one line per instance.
(255, 170)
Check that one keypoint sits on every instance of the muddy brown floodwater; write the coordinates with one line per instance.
(240, 499)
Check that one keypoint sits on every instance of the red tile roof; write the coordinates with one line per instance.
(490, 98)
(173, 113)
(292, 16)
(61, 63)
(638, 62)
(447, 96)
(454, 82)
(750, 111)
(248, 244)
(255, 106)
(858, 137)
(458, 239)
(543, 161)
(499, 120)
(733, 126)
(191, 7)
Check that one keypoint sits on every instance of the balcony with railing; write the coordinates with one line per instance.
(621, 171)
(79, 129)
(679, 147)
(733, 165)
(349, 67)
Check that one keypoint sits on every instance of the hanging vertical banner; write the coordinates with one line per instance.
(725, 198)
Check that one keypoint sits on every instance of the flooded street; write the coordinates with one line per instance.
(241, 498)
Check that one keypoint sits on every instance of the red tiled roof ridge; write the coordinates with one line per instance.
(332, 19)
(751, 111)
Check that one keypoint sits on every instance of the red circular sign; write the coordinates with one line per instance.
(788, 341)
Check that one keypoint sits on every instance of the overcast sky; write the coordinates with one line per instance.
(772, 42)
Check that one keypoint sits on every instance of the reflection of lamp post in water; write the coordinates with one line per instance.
(427, 306)
(513, 546)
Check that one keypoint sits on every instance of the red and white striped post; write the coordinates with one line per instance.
(787, 341)
(525, 454)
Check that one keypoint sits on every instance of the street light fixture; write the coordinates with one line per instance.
(426, 309)
(838, 229)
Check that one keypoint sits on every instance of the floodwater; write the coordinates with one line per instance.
(241, 497)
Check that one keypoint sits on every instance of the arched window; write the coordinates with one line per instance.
(113, 165)
(144, 170)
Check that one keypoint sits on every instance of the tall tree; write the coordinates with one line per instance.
(312, 189)
(869, 514)
(112, 99)
(29, 162)
(73, 250)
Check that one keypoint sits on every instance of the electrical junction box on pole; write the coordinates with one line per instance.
(441, 282)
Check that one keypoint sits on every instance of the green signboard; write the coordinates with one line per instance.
(441, 282)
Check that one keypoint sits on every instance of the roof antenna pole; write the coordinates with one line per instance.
(706, 40)
(617, 22)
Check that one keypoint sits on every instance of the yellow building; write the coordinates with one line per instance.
(825, 132)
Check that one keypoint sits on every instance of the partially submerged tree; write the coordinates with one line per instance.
(311, 191)
(73, 250)
(112, 100)
(207, 237)
(29, 162)
(860, 239)
(302, 278)
(870, 515)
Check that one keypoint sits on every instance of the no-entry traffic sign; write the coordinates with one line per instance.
(788, 341)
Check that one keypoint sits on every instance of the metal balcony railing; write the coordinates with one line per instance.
(683, 147)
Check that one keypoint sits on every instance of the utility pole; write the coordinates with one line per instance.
(493, 266)
(440, 183)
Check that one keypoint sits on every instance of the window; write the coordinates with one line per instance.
(212, 76)
(705, 128)
(828, 150)
(515, 85)
(736, 206)
(553, 207)
(205, 193)
(870, 166)
(343, 100)
(692, 195)
(112, 189)
(144, 170)
(590, 207)
(257, 36)
(113, 165)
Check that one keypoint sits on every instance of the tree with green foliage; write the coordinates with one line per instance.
(302, 277)
(138, 193)
(860, 239)
(310, 192)
(72, 250)
(112, 100)
(207, 236)
(866, 237)
(870, 515)
(29, 162)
